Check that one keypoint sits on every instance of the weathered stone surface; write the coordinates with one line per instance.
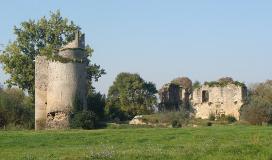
(222, 97)
(218, 100)
(175, 96)
(137, 120)
(57, 120)
(183, 82)
(170, 97)
(41, 83)
(59, 86)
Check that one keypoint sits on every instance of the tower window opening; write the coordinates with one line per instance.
(205, 96)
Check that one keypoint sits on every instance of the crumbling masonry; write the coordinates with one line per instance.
(216, 98)
(58, 85)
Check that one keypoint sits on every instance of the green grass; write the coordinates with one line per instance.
(205, 143)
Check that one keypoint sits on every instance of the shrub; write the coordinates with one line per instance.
(84, 120)
(176, 124)
(3, 120)
(115, 114)
(211, 117)
(231, 119)
(96, 103)
(16, 109)
(258, 109)
(209, 124)
(175, 119)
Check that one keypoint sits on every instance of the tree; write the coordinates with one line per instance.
(96, 103)
(16, 109)
(225, 80)
(131, 95)
(196, 85)
(258, 108)
(42, 37)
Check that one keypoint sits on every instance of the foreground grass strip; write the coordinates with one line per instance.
(206, 143)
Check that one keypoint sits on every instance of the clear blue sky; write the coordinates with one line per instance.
(162, 40)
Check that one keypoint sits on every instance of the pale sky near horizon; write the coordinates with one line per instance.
(163, 39)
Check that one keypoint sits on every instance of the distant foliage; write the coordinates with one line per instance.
(132, 95)
(231, 119)
(225, 80)
(196, 85)
(175, 119)
(209, 124)
(84, 120)
(42, 37)
(258, 109)
(176, 124)
(90, 117)
(222, 82)
(96, 103)
(183, 82)
(115, 114)
(16, 109)
(211, 117)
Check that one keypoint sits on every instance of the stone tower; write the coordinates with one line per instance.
(60, 85)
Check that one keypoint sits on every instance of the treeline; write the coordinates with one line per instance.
(130, 95)
(258, 107)
(16, 109)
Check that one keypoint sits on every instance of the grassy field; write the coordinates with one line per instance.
(207, 143)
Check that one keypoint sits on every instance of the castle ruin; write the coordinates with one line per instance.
(218, 98)
(59, 85)
(175, 96)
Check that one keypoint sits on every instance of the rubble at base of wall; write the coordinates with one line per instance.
(57, 120)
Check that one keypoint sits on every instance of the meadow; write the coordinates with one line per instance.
(235, 142)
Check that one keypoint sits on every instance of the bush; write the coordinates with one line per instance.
(16, 109)
(176, 124)
(115, 114)
(3, 120)
(209, 124)
(96, 103)
(231, 119)
(84, 120)
(258, 109)
(211, 117)
(176, 119)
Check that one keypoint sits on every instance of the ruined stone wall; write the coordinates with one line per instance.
(170, 97)
(222, 100)
(41, 83)
(60, 86)
(66, 87)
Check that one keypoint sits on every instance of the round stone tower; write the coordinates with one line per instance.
(67, 83)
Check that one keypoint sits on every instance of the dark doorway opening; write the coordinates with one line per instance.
(205, 96)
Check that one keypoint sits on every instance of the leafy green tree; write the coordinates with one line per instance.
(132, 95)
(196, 85)
(16, 109)
(96, 103)
(84, 120)
(258, 108)
(41, 37)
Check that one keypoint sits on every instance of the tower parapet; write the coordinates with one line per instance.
(74, 50)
